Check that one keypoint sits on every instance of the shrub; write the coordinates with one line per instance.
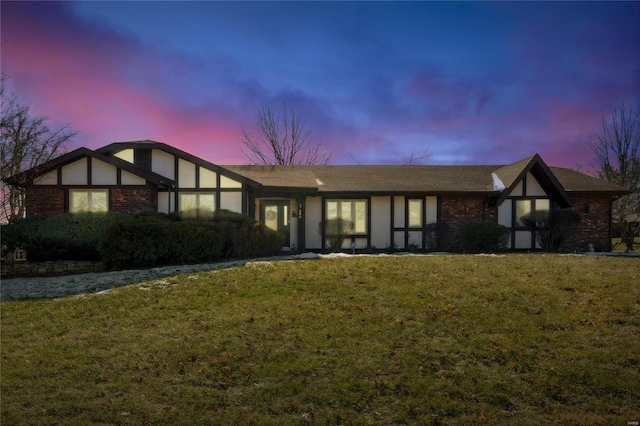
(335, 232)
(551, 227)
(244, 237)
(157, 239)
(65, 236)
(483, 237)
(440, 236)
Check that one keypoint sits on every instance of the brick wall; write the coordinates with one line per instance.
(134, 200)
(44, 200)
(594, 224)
(459, 210)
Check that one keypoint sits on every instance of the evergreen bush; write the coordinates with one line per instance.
(65, 236)
(157, 239)
(483, 237)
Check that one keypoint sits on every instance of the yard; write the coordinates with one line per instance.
(517, 339)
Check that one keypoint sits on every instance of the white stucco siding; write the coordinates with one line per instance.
(398, 212)
(163, 202)
(103, 173)
(163, 163)
(231, 201)
(207, 178)
(127, 178)
(533, 187)
(75, 173)
(432, 210)
(380, 221)
(186, 174)
(523, 239)
(398, 238)
(415, 237)
(504, 213)
(313, 216)
(517, 191)
(50, 178)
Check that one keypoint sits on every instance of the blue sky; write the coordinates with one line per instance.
(470, 82)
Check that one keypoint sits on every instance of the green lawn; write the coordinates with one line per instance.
(519, 339)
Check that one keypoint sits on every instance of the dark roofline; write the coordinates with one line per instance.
(21, 179)
(150, 144)
(541, 171)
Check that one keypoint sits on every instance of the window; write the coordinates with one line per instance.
(415, 213)
(352, 210)
(197, 204)
(524, 207)
(88, 201)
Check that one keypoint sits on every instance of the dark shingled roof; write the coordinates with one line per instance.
(427, 179)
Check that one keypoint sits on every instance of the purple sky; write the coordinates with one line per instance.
(473, 83)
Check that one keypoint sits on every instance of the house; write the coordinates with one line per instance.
(390, 206)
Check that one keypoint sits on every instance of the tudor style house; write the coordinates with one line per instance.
(390, 206)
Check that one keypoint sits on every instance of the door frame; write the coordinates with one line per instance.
(283, 208)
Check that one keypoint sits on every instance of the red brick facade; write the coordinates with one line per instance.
(592, 229)
(594, 224)
(459, 210)
(42, 200)
(133, 200)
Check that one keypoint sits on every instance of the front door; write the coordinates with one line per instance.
(276, 215)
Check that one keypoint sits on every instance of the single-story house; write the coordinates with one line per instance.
(389, 206)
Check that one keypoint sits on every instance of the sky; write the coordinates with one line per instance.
(375, 82)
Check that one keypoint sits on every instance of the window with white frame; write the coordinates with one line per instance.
(88, 200)
(195, 204)
(351, 210)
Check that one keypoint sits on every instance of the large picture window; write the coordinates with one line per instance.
(352, 210)
(197, 204)
(88, 201)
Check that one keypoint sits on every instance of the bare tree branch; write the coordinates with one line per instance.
(282, 139)
(25, 142)
(616, 151)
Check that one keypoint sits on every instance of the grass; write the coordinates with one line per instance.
(617, 245)
(520, 339)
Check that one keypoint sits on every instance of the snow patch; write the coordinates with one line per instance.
(498, 185)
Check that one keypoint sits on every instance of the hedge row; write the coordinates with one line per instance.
(58, 237)
(146, 240)
(153, 239)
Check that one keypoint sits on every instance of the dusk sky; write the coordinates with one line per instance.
(472, 83)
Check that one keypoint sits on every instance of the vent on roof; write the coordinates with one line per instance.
(319, 182)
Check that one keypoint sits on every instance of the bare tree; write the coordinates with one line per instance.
(283, 139)
(616, 151)
(25, 142)
(418, 158)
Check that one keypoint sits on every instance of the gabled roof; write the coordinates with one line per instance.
(23, 178)
(150, 144)
(513, 174)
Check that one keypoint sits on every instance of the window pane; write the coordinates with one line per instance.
(99, 201)
(361, 217)
(346, 211)
(523, 207)
(206, 204)
(351, 210)
(415, 212)
(542, 204)
(79, 201)
(332, 209)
